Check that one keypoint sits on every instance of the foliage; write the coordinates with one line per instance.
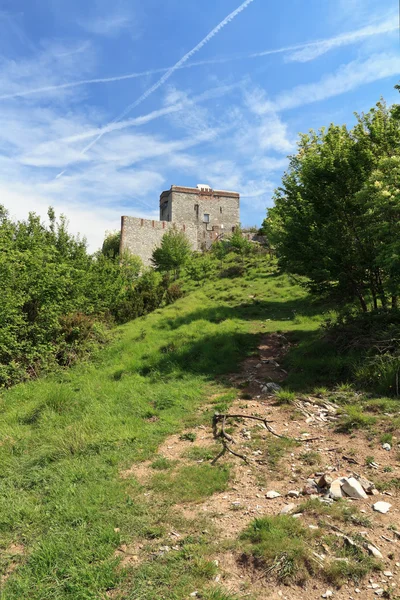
(57, 299)
(282, 545)
(65, 438)
(173, 252)
(336, 215)
(111, 244)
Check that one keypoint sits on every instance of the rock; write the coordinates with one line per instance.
(379, 592)
(327, 594)
(335, 490)
(367, 485)
(297, 516)
(272, 494)
(351, 487)
(357, 591)
(387, 447)
(388, 573)
(374, 551)
(325, 481)
(194, 594)
(382, 507)
(271, 388)
(310, 488)
(286, 510)
(293, 494)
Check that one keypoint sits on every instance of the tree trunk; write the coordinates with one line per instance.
(394, 302)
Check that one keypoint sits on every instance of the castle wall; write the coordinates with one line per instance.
(142, 236)
(189, 205)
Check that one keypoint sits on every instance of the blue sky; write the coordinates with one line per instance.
(104, 104)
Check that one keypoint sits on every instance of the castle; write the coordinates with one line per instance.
(204, 214)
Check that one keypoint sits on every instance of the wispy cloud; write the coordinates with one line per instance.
(313, 50)
(172, 70)
(303, 52)
(109, 26)
(348, 77)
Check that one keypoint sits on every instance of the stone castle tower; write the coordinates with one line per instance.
(202, 213)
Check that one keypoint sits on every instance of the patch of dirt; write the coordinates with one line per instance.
(13, 552)
(130, 555)
(312, 421)
(263, 368)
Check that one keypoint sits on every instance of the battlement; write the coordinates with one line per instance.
(198, 191)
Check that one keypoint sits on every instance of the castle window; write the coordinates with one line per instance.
(206, 218)
(220, 209)
(196, 209)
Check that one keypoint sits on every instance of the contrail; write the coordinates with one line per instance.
(327, 43)
(171, 71)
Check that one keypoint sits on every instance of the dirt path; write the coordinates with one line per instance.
(275, 465)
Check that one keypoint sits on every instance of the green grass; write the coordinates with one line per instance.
(64, 439)
(283, 549)
(285, 397)
(311, 457)
(281, 546)
(191, 483)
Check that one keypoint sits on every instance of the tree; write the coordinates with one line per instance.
(111, 244)
(173, 253)
(321, 224)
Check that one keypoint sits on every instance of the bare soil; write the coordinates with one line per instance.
(231, 511)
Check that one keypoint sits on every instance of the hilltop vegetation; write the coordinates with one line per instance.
(58, 301)
(75, 514)
(66, 437)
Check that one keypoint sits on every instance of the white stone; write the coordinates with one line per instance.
(353, 488)
(374, 551)
(379, 592)
(387, 447)
(335, 490)
(327, 594)
(382, 507)
(293, 494)
(388, 573)
(272, 494)
(286, 510)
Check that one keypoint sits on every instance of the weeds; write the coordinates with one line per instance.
(311, 458)
(285, 397)
(354, 418)
(191, 484)
(281, 546)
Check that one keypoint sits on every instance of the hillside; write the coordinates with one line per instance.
(108, 490)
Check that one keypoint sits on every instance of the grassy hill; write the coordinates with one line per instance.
(64, 440)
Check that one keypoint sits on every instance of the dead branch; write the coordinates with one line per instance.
(227, 439)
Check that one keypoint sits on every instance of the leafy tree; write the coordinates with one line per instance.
(239, 244)
(56, 296)
(173, 253)
(321, 223)
(111, 244)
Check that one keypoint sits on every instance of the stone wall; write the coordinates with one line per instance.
(142, 236)
(189, 205)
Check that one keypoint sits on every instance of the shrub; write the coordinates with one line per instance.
(232, 271)
(173, 293)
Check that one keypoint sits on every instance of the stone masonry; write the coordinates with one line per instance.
(205, 215)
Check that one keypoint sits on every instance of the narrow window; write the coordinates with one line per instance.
(206, 218)
(220, 209)
(196, 210)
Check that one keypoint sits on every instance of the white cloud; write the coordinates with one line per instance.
(109, 26)
(303, 52)
(347, 78)
(313, 50)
